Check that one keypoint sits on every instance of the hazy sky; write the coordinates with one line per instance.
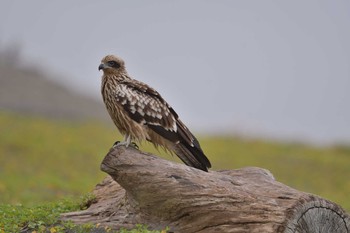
(279, 69)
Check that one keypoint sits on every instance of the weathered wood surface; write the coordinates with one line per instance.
(143, 188)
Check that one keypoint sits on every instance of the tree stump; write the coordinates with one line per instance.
(143, 188)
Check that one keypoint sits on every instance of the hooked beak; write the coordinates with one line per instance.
(102, 66)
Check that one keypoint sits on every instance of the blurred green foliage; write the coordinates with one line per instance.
(45, 160)
(321, 171)
(42, 160)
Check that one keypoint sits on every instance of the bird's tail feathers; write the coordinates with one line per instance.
(192, 156)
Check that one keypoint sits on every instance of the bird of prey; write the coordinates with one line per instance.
(140, 113)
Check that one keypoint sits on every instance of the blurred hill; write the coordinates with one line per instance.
(30, 90)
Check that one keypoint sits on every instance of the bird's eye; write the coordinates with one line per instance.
(113, 64)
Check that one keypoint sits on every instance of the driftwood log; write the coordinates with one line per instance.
(143, 188)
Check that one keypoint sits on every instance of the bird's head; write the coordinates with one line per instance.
(111, 64)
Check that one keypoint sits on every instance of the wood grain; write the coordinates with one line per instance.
(143, 188)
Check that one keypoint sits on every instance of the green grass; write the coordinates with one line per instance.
(17, 218)
(44, 218)
(43, 161)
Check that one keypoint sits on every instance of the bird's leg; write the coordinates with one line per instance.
(127, 142)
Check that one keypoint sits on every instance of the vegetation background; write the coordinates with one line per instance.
(52, 142)
(45, 160)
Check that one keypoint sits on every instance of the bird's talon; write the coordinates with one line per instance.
(133, 144)
(116, 144)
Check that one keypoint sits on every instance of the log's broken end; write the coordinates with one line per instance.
(143, 188)
(317, 215)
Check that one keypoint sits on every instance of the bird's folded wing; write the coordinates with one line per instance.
(144, 105)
